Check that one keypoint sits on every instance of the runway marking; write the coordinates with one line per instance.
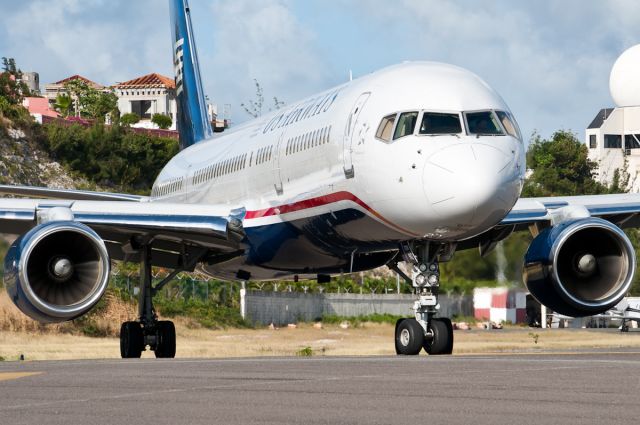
(8, 376)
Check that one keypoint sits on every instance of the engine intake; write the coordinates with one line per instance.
(581, 267)
(57, 271)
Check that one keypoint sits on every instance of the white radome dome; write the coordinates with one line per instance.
(624, 81)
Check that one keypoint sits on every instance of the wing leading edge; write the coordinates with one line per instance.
(174, 228)
(72, 194)
(621, 209)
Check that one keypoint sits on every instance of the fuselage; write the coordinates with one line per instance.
(335, 182)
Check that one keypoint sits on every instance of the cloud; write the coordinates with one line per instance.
(262, 40)
(549, 60)
(107, 41)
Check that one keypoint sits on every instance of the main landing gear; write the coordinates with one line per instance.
(159, 335)
(424, 331)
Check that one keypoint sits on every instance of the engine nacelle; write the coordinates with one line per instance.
(581, 267)
(57, 271)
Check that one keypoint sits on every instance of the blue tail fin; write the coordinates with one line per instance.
(192, 119)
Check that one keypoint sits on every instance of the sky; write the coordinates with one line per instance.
(550, 60)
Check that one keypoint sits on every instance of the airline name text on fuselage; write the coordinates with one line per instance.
(302, 111)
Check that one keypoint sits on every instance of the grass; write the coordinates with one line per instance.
(305, 352)
(361, 320)
(369, 339)
(203, 313)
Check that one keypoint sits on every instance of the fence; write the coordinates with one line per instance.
(281, 308)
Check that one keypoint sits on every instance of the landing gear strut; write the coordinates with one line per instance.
(159, 335)
(434, 335)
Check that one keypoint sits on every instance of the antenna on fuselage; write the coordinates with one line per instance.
(350, 75)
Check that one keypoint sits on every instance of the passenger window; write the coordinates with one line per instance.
(406, 124)
(440, 123)
(508, 124)
(483, 123)
(385, 128)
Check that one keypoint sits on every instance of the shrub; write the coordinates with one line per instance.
(129, 119)
(110, 156)
(162, 121)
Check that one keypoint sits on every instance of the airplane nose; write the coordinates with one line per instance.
(470, 185)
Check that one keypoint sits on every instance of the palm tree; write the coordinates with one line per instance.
(64, 104)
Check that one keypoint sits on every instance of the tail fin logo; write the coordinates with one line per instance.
(178, 65)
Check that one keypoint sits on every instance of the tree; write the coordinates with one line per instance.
(560, 167)
(64, 104)
(254, 108)
(90, 102)
(9, 65)
(162, 121)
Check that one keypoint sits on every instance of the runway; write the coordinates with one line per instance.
(506, 389)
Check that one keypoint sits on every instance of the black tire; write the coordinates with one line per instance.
(442, 340)
(131, 340)
(409, 337)
(166, 347)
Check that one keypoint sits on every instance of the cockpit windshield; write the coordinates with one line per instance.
(406, 124)
(509, 124)
(483, 123)
(440, 123)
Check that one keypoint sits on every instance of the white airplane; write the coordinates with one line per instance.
(410, 163)
(627, 310)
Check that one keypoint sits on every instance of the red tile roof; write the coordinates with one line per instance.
(80, 77)
(148, 81)
(39, 105)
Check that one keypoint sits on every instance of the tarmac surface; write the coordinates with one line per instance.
(574, 388)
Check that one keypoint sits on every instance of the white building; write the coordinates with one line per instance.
(52, 90)
(613, 137)
(148, 95)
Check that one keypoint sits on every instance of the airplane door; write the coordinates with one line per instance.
(350, 134)
(278, 158)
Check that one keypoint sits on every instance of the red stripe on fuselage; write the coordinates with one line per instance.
(318, 202)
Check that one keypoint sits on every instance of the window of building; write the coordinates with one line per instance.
(612, 141)
(632, 141)
(406, 124)
(440, 123)
(386, 127)
(142, 108)
(593, 141)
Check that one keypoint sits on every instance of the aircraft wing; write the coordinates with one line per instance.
(45, 192)
(212, 231)
(621, 209)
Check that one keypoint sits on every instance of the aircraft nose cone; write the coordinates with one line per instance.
(469, 185)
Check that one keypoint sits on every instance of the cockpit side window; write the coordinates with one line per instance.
(386, 127)
(440, 123)
(509, 124)
(406, 124)
(484, 122)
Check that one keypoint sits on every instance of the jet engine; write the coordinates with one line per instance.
(580, 267)
(57, 271)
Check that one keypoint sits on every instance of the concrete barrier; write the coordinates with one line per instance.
(281, 308)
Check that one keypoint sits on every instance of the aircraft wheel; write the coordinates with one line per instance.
(409, 337)
(442, 340)
(166, 347)
(131, 340)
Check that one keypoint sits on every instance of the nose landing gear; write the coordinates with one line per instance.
(434, 335)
